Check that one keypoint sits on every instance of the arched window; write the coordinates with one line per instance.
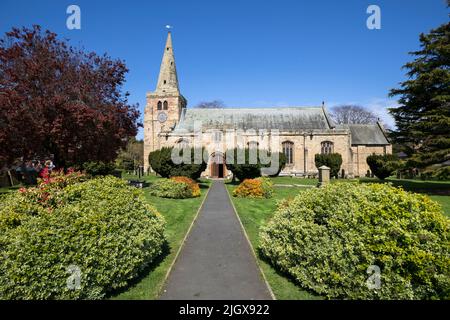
(159, 105)
(288, 150)
(326, 147)
(253, 145)
(165, 105)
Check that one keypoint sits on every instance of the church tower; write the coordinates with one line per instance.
(164, 105)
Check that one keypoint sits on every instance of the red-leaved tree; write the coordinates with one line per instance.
(55, 99)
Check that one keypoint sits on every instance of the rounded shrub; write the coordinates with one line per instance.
(95, 238)
(248, 163)
(254, 188)
(331, 160)
(161, 162)
(327, 239)
(195, 188)
(383, 165)
(99, 168)
(173, 188)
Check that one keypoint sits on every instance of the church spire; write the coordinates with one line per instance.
(168, 80)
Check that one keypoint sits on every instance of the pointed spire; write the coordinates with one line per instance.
(168, 80)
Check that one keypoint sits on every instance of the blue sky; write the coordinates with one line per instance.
(249, 53)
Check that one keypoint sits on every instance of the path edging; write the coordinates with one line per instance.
(182, 245)
(251, 246)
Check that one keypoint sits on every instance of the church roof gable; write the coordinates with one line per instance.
(367, 134)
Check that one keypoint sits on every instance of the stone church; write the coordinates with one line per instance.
(301, 132)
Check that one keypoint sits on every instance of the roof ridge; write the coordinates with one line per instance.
(257, 108)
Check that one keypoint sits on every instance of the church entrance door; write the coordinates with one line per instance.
(218, 166)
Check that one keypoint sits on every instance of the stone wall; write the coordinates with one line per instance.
(306, 146)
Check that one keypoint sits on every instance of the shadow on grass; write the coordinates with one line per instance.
(287, 276)
(144, 273)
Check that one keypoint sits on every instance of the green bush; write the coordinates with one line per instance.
(383, 166)
(99, 168)
(248, 170)
(169, 188)
(332, 161)
(442, 173)
(326, 238)
(102, 227)
(161, 162)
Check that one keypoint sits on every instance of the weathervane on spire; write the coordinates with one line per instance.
(168, 27)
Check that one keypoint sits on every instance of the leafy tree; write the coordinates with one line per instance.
(210, 104)
(55, 99)
(332, 161)
(382, 166)
(348, 114)
(132, 155)
(423, 117)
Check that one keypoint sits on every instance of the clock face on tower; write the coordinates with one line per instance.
(162, 117)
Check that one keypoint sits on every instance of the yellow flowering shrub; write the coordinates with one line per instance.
(195, 189)
(254, 188)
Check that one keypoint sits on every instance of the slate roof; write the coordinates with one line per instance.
(367, 134)
(284, 119)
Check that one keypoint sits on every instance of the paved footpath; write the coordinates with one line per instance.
(216, 261)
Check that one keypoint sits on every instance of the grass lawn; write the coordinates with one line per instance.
(179, 214)
(445, 203)
(6, 190)
(254, 213)
(294, 180)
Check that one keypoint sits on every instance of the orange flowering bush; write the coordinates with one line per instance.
(195, 189)
(254, 188)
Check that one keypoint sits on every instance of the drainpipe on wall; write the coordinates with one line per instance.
(305, 153)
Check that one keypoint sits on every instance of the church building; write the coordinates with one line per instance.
(300, 132)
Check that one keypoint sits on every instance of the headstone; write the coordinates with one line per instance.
(324, 176)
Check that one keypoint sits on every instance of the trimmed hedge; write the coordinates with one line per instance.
(100, 227)
(173, 188)
(254, 188)
(383, 166)
(327, 238)
(332, 161)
